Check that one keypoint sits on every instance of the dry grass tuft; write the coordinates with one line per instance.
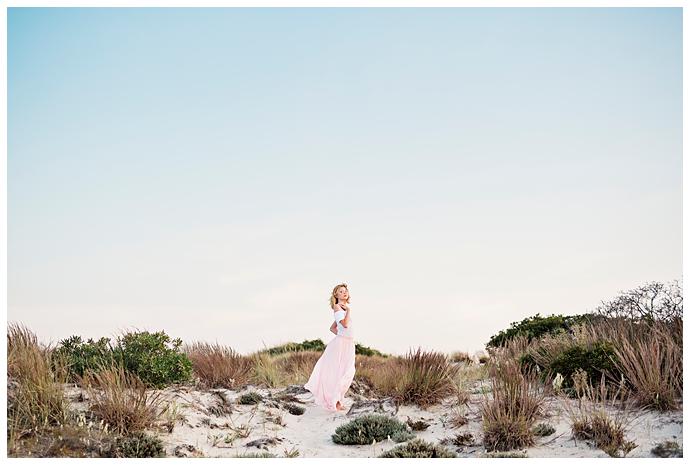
(516, 403)
(219, 366)
(121, 400)
(35, 399)
(592, 420)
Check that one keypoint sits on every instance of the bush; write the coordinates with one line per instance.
(536, 326)
(85, 356)
(369, 428)
(137, 445)
(154, 358)
(314, 344)
(597, 360)
(418, 448)
(367, 351)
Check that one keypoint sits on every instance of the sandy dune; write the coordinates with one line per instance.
(204, 429)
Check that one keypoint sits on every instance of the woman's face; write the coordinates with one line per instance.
(342, 294)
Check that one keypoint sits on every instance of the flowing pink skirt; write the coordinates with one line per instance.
(333, 373)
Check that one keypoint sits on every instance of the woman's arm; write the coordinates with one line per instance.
(345, 321)
(333, 328)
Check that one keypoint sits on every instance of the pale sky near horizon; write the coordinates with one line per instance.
(215, 172)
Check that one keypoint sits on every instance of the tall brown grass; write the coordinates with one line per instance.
(121, 400)
(516, 402)
(420, 377)
(297, 366)
(35, 397)
(650, 357)
(219, 366)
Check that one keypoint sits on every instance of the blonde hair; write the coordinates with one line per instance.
(334, 299)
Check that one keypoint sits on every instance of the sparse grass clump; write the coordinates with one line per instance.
(418, 448)
(294, 409)
(250, 398)
(667, 449)
(121, 400)
(371, 427)
(543, 429)
(592, 421)
(461, 357)
(266, 370)
(219, 366)
(295, 367)
(516, 403)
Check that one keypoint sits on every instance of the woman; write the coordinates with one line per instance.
(335, 369)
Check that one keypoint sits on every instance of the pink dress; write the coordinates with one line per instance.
(335, 369)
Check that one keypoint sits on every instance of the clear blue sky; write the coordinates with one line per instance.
(215, 172)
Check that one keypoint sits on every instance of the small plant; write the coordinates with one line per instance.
(260, 455)
(418, 448)
(371, 427)
(295, 409)
(292, 453)
(543, 429)
(667, 449)
(250, 398)
(463, 439)
(506, 454)
(138, 445)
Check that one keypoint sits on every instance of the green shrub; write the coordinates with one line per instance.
(85, 356)
(418, 448)
(536, 326)
(250, 398)
(138, 445)
(368, 351)
(315, 345)
(367, 428)
(154, 358)
(600, 358)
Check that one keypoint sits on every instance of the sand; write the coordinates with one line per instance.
(200, 432)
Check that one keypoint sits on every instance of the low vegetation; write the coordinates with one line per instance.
(372, 427)
(418, 448)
